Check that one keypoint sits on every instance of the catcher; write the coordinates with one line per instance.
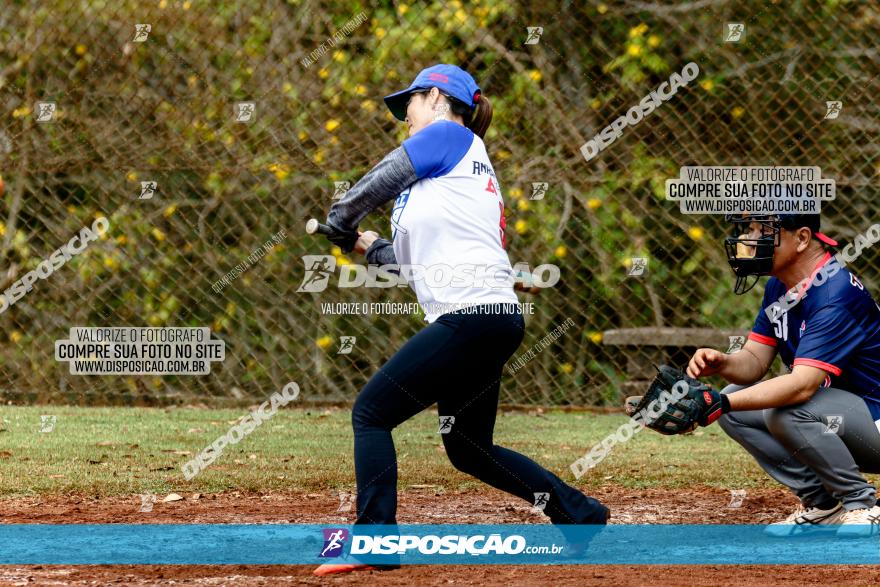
(815, 429)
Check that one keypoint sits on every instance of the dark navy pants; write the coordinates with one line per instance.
(455, 362)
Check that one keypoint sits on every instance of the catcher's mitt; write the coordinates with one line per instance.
(676, 403)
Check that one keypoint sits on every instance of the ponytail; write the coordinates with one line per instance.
(478, 119)
(482, 117)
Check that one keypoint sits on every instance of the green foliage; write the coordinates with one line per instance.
(162, 110)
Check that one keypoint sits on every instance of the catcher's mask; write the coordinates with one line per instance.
(754, 240)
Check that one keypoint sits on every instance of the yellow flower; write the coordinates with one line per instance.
(280, 170)
(566, 368)
(187, 5)
(318, 156)
(522, 205)
(596, 337)
(502, 154)
(535, 75)
(339, 56)
(15, 336)
(737, 111)
(521, 227)
(303, 135)
(402, 9)
(654, 41)
(380, 33)
(638, 31)
(323, 73)
(633, 50)
(560, 251)
(163, 4)
(707, 84)
(516, 192)
(71, 209)
(595, 103)
(131, 176)
(460, 16)
(158, 234)
(343, 260)
(360, 90)
(334, 140)
(192, 80)
(368, 105)
(80, 49)
(331, 125)
(594, 203)
(334, 101)
(110, 262)
(602, 9)
(21, 112)
(695, 232)
(335, 251)
(324, 342)
(169, 210)
(121, 239)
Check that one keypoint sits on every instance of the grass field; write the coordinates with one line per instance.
(112, 451)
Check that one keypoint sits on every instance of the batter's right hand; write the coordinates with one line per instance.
(706, 362)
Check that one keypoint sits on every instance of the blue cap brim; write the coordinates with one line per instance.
(396, 102)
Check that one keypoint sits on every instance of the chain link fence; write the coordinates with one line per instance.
(207, 132)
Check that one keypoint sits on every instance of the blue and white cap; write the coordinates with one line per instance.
(449, 79)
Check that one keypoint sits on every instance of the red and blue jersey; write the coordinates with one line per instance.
(835, 326)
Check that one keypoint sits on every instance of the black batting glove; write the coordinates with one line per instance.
(344, 239)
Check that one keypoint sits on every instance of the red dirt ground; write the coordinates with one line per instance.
(424, 505)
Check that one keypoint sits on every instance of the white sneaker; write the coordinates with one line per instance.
(859, 523)
(806, 520)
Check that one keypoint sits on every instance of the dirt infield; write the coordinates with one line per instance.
(419, 505)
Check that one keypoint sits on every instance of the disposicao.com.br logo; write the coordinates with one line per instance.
(430, 544)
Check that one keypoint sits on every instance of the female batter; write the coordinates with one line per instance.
(448, 213)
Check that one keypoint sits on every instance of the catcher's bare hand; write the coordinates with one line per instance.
(365, 239)
(706, 362)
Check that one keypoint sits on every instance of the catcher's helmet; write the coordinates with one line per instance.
(751, 255)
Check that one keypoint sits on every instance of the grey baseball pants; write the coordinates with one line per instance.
(818, 449)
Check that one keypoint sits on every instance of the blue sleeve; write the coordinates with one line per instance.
(830, 338)
(438, 147)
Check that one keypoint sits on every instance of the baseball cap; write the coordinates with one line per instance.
(449, 79)
(811, 221)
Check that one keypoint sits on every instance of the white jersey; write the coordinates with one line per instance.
(449, 225)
